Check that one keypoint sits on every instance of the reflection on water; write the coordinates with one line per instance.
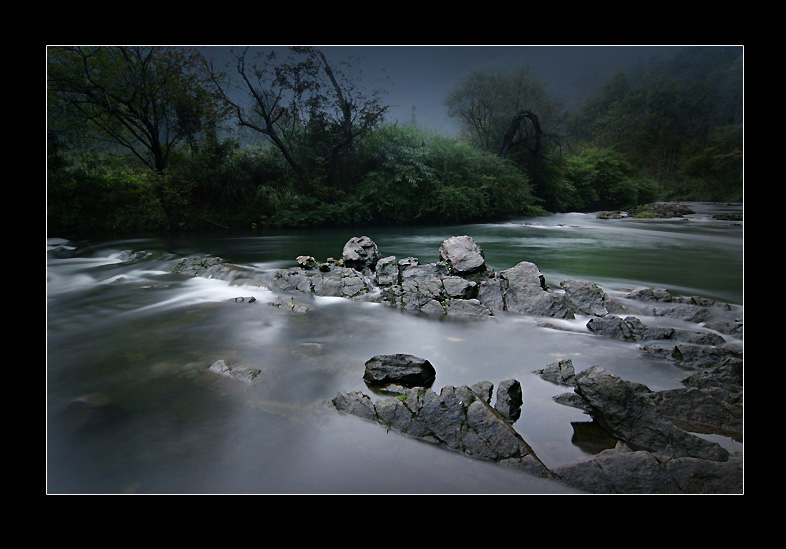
(132, 406)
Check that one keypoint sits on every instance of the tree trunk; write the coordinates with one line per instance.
(508, 140)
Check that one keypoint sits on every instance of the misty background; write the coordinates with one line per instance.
(418, 78)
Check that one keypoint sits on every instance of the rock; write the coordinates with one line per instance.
(338, 282)
(683, 311)
(400, 369)
(733, 327)
(244, 299)
(458, 418)
(630, 416)
(407, 262)
(527, 293)
(483, 390)
(727, 375)
(623, 471)
(462, 254)
(509, 399)
(199, 266)
(416, 293)
(467, 308)
(691, 356)
(491, 292)
(459, 288)
(417, 272)
(630, 328)
(585, 297)
(706, 410)
(612, 214)
(356, 403)
(652, 294)
(361, 253)
(289, 305)
(663, 210)
(243, 374)
(306, 262)
(387, 271)
(561, 373)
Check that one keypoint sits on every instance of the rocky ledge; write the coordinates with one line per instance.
(461, 286)
(654, 452)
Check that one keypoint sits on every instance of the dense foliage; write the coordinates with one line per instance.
(670, 131)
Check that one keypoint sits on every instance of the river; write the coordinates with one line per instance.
(123, 330)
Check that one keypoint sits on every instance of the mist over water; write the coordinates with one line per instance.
(124, 331)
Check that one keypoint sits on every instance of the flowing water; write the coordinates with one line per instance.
(124, 331)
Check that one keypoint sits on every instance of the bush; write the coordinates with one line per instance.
(603, 179)
(79, 202)
(414, 175)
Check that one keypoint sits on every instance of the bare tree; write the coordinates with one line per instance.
(308, 109)
(493, 108)
(148, 100)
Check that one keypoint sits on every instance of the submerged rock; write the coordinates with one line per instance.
(243, 374)
(93, 413)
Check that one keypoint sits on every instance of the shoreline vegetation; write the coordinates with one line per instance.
(663, 132)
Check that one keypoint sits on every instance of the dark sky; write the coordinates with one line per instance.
(421, 76)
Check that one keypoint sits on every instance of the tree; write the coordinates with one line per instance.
(505, 113)
(311, 111)
(501, 111)
(148, 100)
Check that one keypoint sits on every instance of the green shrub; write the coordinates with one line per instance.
(414, 175)
(603, 179)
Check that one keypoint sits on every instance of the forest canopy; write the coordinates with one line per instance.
(147, 139)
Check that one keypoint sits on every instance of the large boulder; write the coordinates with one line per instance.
(625, 411)
(463, 255)
(706, 410)
(527, 293)
(387, 271)
(624, 471)
(585, 298)
(361, 253)
(241, 373)
(459, 418)
(630, 329)
(337, 282)
(399, 369)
